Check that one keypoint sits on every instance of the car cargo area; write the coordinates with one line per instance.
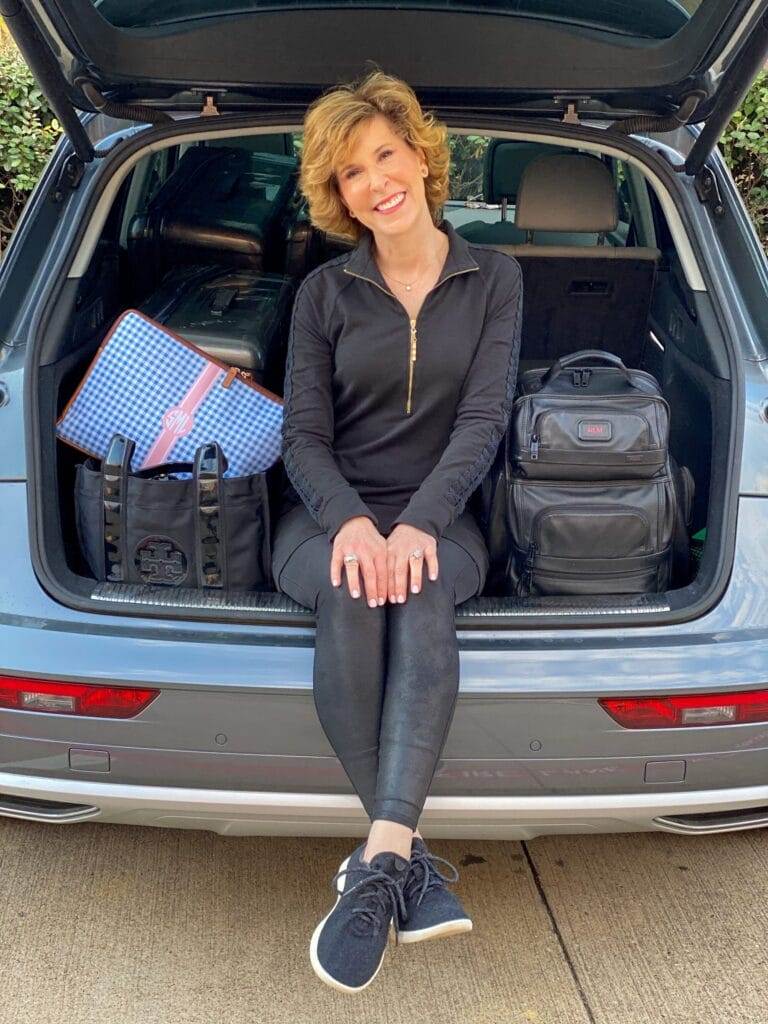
(212, 238)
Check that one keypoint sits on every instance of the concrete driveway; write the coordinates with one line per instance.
(152, 926)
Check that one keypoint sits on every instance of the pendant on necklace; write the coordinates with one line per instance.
(408, 287)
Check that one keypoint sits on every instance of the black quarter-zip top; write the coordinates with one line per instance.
(413, 339)
(393, 417)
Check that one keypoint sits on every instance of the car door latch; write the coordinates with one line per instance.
(70, 176)
(708, 191)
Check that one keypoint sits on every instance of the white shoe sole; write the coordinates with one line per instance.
(437, 931)
(317, 967)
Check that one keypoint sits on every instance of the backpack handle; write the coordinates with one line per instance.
(593, 355)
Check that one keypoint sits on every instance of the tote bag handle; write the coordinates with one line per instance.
(210, 516)
(114, 495)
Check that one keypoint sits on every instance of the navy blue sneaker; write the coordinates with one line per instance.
(348, 946)
(432, 910)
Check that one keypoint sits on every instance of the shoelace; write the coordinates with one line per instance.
(380, 893)
(431, 875)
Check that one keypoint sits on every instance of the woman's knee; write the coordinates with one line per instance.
(338, 601)
(461, 573)
(306, 571)
(468, 583)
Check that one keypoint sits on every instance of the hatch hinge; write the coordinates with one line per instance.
(708, 191)
(209, 108)
(70, 176)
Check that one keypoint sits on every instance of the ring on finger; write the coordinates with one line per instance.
(351, 558)
(418, 553)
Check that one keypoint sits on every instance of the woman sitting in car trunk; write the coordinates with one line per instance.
(399, 383)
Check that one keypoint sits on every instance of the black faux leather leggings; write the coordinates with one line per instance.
(385, 678)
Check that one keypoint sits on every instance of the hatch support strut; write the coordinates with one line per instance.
(737, 78)
(48, 74)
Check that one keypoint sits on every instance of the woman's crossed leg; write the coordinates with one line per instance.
(385, 681)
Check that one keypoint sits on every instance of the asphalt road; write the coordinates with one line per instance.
(167, 926)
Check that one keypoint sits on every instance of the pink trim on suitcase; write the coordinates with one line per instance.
(179, 420)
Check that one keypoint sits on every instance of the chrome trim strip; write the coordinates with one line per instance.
(145, 596)
(271, 813)
(554, 612)
(184, 597)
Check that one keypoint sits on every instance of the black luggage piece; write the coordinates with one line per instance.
(237, 316)
(207, 532)
(219, 205)
(573, 422)
(595, 503)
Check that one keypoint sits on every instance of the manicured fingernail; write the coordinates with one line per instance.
(433, 577)
(382, 600)
(401, 598)
(392, 598)
(355, 593)
(372, 603)
(335, 583)
(414, 589)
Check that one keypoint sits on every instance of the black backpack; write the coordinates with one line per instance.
(595, 502)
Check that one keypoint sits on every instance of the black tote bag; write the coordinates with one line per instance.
(144, 527)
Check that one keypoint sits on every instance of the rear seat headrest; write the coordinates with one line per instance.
(567, 192)
(505, 162)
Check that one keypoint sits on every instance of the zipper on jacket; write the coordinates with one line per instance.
(412, 322)
(411, 361)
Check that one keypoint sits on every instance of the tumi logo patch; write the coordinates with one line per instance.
(595, 430)
(158, 560)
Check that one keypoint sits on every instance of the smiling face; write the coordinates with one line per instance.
(381, 179)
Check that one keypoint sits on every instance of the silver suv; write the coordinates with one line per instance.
(164, 706)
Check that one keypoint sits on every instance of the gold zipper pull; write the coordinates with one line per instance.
(411, 361)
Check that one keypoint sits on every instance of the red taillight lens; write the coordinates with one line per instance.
(73, 698)
(693, 709)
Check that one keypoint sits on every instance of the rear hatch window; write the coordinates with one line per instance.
(655, 19)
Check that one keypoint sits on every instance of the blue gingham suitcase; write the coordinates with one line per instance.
(147, 383)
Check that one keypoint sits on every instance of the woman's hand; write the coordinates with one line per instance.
(401, 542)
(358, 536)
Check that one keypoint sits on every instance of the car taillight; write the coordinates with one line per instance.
(692, 709)
(73, 698)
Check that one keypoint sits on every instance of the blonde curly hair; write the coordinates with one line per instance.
(329, 127)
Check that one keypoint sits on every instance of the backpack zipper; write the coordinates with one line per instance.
(412, 343)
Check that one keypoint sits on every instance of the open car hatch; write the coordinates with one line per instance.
(610, 58)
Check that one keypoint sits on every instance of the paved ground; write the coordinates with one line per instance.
(152, 926)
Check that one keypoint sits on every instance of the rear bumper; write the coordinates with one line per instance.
(234, 813)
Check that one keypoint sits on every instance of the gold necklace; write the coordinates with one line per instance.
(405, 284)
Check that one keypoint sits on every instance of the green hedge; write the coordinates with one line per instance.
(745, 146)
(28, 131)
